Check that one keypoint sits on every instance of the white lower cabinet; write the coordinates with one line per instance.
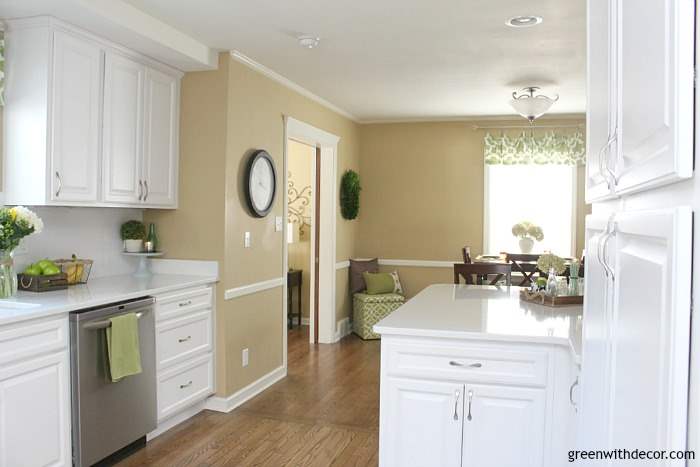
(503, 426)
(184, 351)
(475, 403)
(35, 396)
(426, 423)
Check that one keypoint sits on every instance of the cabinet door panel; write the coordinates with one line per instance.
(160, 139)
(35, 413)
(506, 427)
(651, 341)
(421, 423)
(75, 128)
(594, 419)
(123, 129)
(656, 93)
(599, 97)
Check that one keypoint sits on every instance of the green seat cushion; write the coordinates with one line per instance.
(378, 282)
(379, 298)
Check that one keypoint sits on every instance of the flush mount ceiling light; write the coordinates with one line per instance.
(308, 41)
(523, 21)
(531, 106)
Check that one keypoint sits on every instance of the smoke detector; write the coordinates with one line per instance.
(523, 21)
(308, 41)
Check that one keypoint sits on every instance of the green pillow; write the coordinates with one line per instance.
(378, 282)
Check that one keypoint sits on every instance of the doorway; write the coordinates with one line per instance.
(322, 147)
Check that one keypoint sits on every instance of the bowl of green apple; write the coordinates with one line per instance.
(42, 276)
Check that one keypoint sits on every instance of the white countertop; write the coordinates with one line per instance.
(484, 312)
(98, 291)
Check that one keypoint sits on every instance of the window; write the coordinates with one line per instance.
(542, 194)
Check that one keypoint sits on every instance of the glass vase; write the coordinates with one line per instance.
(8, 276)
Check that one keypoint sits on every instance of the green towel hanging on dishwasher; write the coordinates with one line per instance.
(123, 346)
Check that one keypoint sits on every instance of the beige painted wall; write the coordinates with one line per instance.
(423, 194)
(300, 158)
(226, 114)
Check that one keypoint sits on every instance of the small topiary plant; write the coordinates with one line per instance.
(133, 230)
(350, 195)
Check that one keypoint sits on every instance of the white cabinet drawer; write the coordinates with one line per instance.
(24, 340)
(183, 338)
(488, 363)
(185, 385)
(181, 303)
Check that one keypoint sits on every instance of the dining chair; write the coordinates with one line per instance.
(475, 273)
(466, 254)
(525, 264)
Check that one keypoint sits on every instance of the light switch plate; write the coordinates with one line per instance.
(278, 224)
(246, 240)
(244, 357)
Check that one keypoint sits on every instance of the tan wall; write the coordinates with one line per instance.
(300, 158)
(226, 114)
(423, 195)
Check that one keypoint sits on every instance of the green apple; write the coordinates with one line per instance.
(50, 270)
(45, 263)
(32, 270)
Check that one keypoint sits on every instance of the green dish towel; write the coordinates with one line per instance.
(123, 346)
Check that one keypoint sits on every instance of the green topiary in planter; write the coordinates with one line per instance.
(350, 194)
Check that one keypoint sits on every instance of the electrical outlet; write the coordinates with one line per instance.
(278, 224)
(246, 240)
(244, 357)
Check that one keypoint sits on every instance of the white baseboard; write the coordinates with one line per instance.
(343, 328)
(227, 404)
(165, 425)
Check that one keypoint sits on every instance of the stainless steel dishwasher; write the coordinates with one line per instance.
(109, 418)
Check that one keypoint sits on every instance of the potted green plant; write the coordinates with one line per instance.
(133, 233)
(527, 233)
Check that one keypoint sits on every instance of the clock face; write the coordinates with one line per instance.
(261, 183)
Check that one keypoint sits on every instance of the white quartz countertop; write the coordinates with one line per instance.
(98, 291)
(484, 312)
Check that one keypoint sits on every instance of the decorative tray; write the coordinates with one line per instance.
(543, 299)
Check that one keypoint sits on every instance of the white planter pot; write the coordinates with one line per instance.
(526, 244)
(133, 246)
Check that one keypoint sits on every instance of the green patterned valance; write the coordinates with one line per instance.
(526, 148)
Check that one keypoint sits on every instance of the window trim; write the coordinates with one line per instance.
(574, 214)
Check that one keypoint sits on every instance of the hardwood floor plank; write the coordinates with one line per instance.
(325, 412)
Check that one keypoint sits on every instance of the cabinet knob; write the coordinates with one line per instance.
(60, 184)
(140, 190)
(145, 186)
(186, 385)
(470, 396)
(184, 339)
(460, 364)
(456, 416)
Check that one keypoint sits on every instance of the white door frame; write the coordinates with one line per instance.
(328, 143)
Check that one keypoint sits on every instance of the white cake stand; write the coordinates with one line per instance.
(144, 269)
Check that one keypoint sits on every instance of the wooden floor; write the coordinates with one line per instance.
(324, 413)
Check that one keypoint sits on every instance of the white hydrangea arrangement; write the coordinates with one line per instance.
(527, 229)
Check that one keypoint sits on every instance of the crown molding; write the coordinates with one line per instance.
(476, 118)
(286, 82)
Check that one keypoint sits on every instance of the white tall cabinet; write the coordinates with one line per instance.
(639, 239)
(87, 122)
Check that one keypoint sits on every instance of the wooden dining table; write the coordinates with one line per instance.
(527, 269)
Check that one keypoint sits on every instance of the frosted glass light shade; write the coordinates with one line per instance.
(532, 107)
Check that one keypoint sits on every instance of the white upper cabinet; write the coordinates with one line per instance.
(640, 104)
(426, 423)
(123, 129)
(160, 161)
(651, 329)
(503, 427)
(75, 118)
(599, 101)
(87, 122)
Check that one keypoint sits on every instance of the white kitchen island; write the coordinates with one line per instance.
(471, 376)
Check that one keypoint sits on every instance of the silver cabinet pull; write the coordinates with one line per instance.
(608, 170)
(145, 186)
(184, 339)
(471, 365)
(470, 396)
(571, 394)
(140, 190)
(186, 385)
(456, 416)
(188, 302)
(60, 184)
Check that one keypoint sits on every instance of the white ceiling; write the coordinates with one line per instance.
(400, 59)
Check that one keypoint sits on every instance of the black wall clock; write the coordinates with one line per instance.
(261, 183)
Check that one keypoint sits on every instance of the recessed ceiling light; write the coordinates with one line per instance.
(308, 41)
(523, 21)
